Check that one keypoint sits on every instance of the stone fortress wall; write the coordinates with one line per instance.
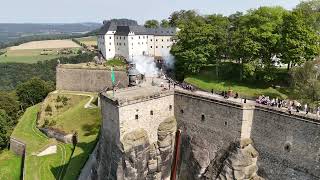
(87, 79)
(288, 145)
(137, 137)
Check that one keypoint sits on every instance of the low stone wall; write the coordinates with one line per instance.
(17, 146)
(88, 80)
(65, 138)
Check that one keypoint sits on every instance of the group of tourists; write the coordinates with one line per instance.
(292, 106)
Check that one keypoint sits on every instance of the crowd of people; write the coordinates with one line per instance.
(292, 106)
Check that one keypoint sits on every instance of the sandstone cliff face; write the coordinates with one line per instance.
(241, 163)
(137, 158)
(238, 162)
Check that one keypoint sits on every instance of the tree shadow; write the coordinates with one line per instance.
(75, 164)
(91, 129)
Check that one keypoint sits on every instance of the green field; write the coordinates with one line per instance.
(45, 167)
(10, 166)
(89, 41)
(207, 80)
(62, 165)
(31, 55)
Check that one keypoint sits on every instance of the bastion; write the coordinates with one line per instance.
(138, 131)
(89, 78)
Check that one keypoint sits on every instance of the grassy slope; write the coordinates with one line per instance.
(10, 166)
(206, 80)
(85, 122)
(30, 56)
(89, 41)
(46, 167)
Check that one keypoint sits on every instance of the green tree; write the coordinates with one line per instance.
(10, 104)
(243, 47)
(263, 29)
(299, 42)
(164, 23)
(33, 91)
(183, 17)
(310, 11)
(151, 23)
(4, 137)
(306, 82)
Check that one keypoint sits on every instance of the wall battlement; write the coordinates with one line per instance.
(288, 144)
(87, 79)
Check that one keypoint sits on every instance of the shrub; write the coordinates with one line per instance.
(58, 99)
(48, 109)
(52, 123)
(64, 100)
(46, 123)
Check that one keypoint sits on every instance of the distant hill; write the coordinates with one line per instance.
(12, 32)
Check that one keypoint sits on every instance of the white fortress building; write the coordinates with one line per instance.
(124, 37)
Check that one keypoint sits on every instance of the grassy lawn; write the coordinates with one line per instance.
(115, 62)
(10, 166)
(206, 80)
(75, 118)
(45, 167)
(31, 55)
(89, 41)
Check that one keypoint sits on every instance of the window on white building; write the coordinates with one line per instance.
(142, 43)
(120, 37)
(150, 39)
(117, 37)
(119, 44)
(139, 43)
(109, 49)
(162, 46)
(168, 46)
(131, 37)
(110, 44)
(139, 37)
(110, 37)
(143, 37)
(147, 37)
(124, 44)
(132, 44)
(156, 39)
(156, 46)
(150, 46)
(162, 40)
(124, 37)
(167, 40)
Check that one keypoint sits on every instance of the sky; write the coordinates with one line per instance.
(70, 11)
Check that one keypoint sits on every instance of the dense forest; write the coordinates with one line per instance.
(13, 32)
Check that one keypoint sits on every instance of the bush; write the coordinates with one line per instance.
(52, 123)
(64, 100)
(48, 109)
(46, 123)
(59, 99)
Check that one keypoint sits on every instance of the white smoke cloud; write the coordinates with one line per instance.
(169, 61)
(168, 58)
(145, 65)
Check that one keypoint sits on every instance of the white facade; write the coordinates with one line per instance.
(132, 44)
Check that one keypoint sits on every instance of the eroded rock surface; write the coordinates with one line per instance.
(137, 158)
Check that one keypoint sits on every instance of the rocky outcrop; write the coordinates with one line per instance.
(137, 157)
(241, 164)
(238, 162)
